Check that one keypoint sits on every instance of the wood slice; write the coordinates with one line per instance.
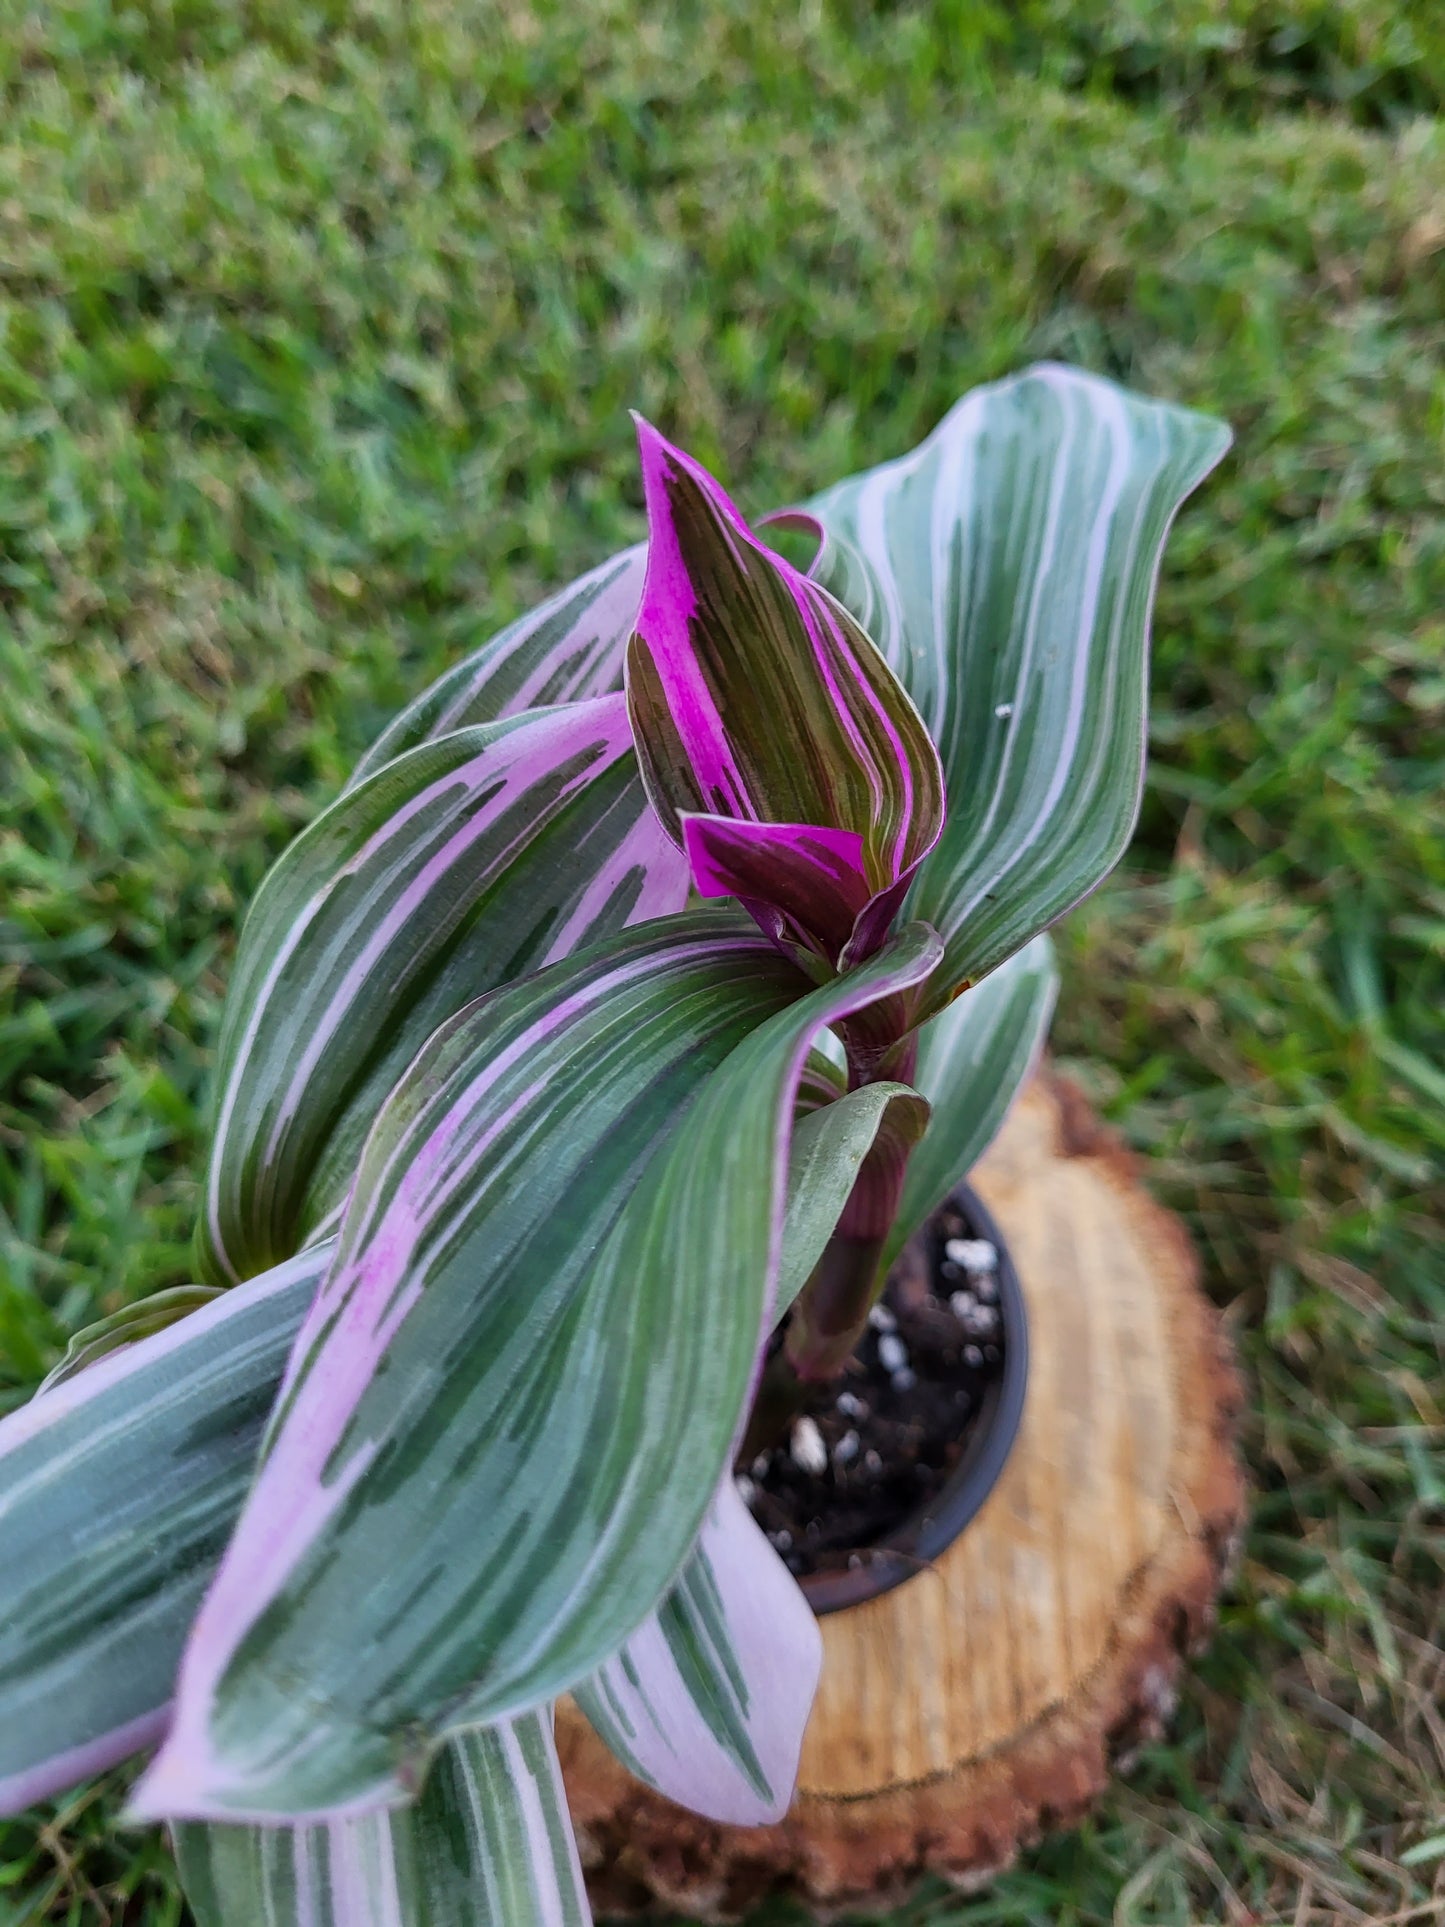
(987, 1699)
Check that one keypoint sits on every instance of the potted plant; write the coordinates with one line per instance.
(541, 1190)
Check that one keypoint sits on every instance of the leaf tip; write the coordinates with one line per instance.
(163, 1792)
(186, 1780)
(659, 458)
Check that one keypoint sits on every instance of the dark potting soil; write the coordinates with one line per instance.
(878, 1445)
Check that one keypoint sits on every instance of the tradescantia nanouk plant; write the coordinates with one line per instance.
(659, 971)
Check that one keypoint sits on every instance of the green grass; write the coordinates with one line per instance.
(318, 328)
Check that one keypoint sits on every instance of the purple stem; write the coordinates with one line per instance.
(831, 1312)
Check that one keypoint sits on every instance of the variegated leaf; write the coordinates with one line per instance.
(127, 1326)
(488, 1844)
(155, 1454)
(519, 1385)
(776, 745)
(118, 1489)
(460, 865)
(709, 1699)
(972, 1059)
(563, 652)
(1006, 570)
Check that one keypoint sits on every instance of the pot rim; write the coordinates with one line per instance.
(925, 1535)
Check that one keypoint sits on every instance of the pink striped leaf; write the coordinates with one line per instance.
(118, 1488)
(459, 865)
(518, 1388)
(121, 1482)
(1006, 569)
(708, 1700)
(487, 1844)
(777, 746)
(565, 651)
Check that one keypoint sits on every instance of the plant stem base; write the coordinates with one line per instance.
(987, 1700)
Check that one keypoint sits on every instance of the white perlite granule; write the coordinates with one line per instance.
(892, 1352)
(807, 1449)
(974, 1254)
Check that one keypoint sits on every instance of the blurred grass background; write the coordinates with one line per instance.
(318, 327)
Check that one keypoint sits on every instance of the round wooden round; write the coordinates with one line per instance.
(986, 1700)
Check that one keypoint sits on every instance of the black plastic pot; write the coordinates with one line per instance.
(992, 1431)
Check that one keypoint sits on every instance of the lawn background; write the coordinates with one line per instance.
(318, 328)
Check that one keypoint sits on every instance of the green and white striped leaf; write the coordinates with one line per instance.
(1006, 570)
(488, 1844)
(972, 1059)
(518, 1388)
(127, 1326)
(118, 1490)
(155, 1454)
(458, 866)
(563, 652)
(708, 1701)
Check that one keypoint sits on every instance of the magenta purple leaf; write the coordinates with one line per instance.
(778, 747)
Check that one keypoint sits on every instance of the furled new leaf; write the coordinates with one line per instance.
(523, 1376)
(460, 865)
(118, 1489)
(1006, 570)
(972, 1058)
(563, 652)
(708, 1700)
(488, 1844)
(777, 746)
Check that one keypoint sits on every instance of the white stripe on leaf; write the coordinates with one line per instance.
(708, 1701)
(464, 863)
(117, 1490)
(488, 1843)
(1007, 566)
(650, 1268)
